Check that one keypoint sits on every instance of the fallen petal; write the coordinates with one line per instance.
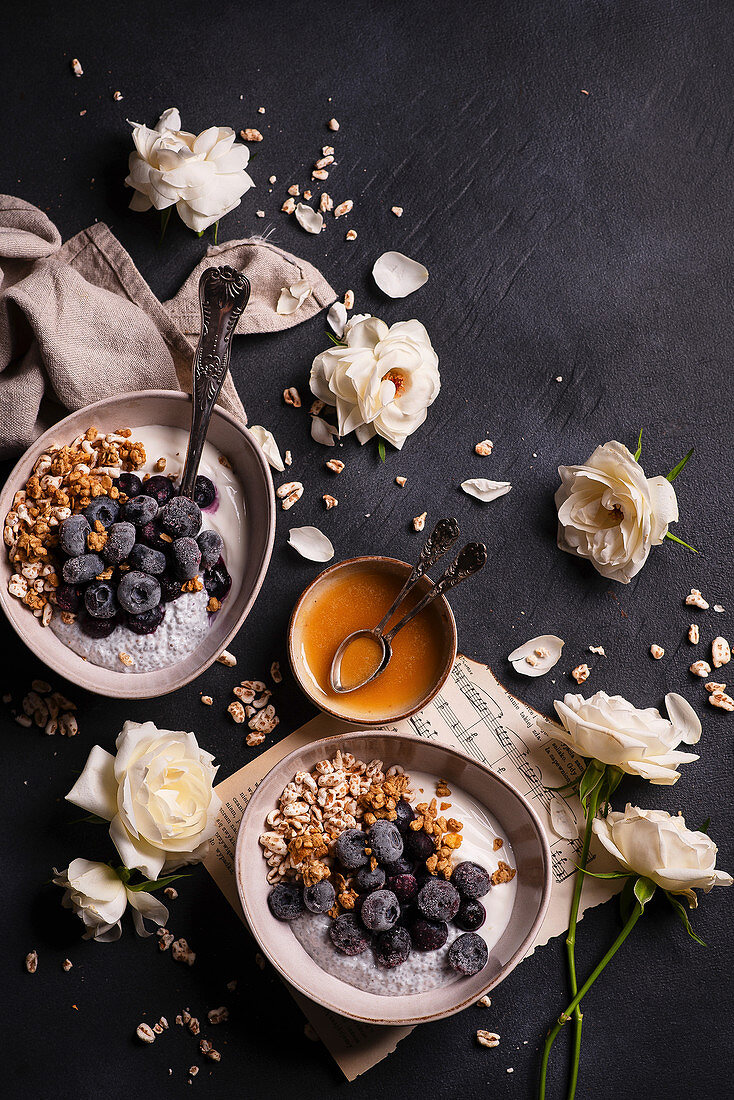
(337, 318)
(311, 543)
(563, 822)
(538, 656)
(322, 431)
(683, 717)
(485, 490)
(309, 219)
(397, 275)
(266, 441)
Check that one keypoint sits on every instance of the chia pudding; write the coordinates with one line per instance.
(127, 573)
(387, 904)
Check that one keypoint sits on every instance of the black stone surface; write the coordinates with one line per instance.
(586, 236)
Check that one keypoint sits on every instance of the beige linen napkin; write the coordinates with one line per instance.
(78, 322)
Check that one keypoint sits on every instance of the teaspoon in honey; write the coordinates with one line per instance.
(467, 562)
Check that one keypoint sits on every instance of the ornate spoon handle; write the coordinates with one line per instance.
(466, 563)
(223, 295)
(443, 536)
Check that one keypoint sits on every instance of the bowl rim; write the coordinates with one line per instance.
(410, 711)
(330, 744)
(126, 681)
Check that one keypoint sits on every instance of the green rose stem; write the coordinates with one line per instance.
(644, 890)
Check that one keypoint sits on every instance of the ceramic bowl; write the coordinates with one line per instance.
(513, 813)
(167, 409)
(302, 673)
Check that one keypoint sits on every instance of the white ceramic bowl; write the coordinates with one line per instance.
(168, 409)
(516, 818)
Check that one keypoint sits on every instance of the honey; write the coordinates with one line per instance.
(357, 600)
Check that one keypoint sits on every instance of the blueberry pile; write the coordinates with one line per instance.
(153, 546)
(401, 907)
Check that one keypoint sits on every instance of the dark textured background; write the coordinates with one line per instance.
(587, 236)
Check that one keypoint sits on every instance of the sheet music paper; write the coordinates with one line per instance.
(476, 714)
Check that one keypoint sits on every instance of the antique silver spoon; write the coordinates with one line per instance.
(468, 562)
(223, 295)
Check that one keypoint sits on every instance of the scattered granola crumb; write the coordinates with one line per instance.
(67, 965)
(488, 1038)
(291, 396)
(288, 206)
(484, 1002)
(484, 448)
(335, 465)
(327, 150)
(721, 700)
(349, 299)
(397, 211)
(237, 712)
(498, 843)
(207, 700)
(261, 110)
(287, 458)
(193, 1070)
(504, 873)
(333, 124)
(720, 652)
(171, 893)
(251, 134)
(700, 668)
(316, 408)
(213, 605)
(289, 493)
(657, 651)
(227, 658)
(260, 213)
(712, 686)
(218, 1015)
(581, 673)
(254, 738)
(351, 235)
(160, 465)
(76, 67)
(695, 599)
(165, 939)
(329, 501)
(343, 208)
(401, 481)
(273, 179)
(307, 196)
(145, 1033)
(320, 174)
(694, 634)
(194, 1026)
(559, 378)
(597, 649)
(324, 161)
(719, 609)
(181, 952)
(31, 962)
(419, 522)
(232, 985)
(294, 189)
(275, 674)
(326, 203)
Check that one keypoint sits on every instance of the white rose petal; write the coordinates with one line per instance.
(563, 822)
(165, 807)
(383, 380)
(612, 730)
(485, 490)
(610, 513)
(322, 431)
(292, 298)
(266, 442)
(311, 543)
(337, 318)
(309, 219)
(684, 718)
(397, 275)
(539, 661)
(659, 846)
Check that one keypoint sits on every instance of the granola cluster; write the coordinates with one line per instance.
(64, 480)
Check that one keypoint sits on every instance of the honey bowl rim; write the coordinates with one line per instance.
(446, 618)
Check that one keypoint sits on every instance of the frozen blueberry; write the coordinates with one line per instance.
(211, 545)
(468, 953)
(405, 887)
(120, 541)
(320, 897)
(152, 534)
(347, 935)
(392, 947)
(385, 841)
(147, 622)
(73, 535)
(286, 901)
(68, 597)
(181, 517)
(97, 628)
(370, 879)
(102, 510)
(350, 849)
(405, 813)
(186, 557)
(100, 600)
(471, 880)
(471, 915)
(438, 900)
(401, 866)
(217, 580)
(129, 484)
(147, 559)
(140, 510)
(170, 588)
(419, 844)
(428, 935)
(204, 492)
(138, 592)
(159, 487)
(82, 569)
(380, 910)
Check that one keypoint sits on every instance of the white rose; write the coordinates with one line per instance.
(382, 381)
(609, 512)
(640, 742)
(157, 795)
(99, 898)
(204, 175)
(660, 847)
